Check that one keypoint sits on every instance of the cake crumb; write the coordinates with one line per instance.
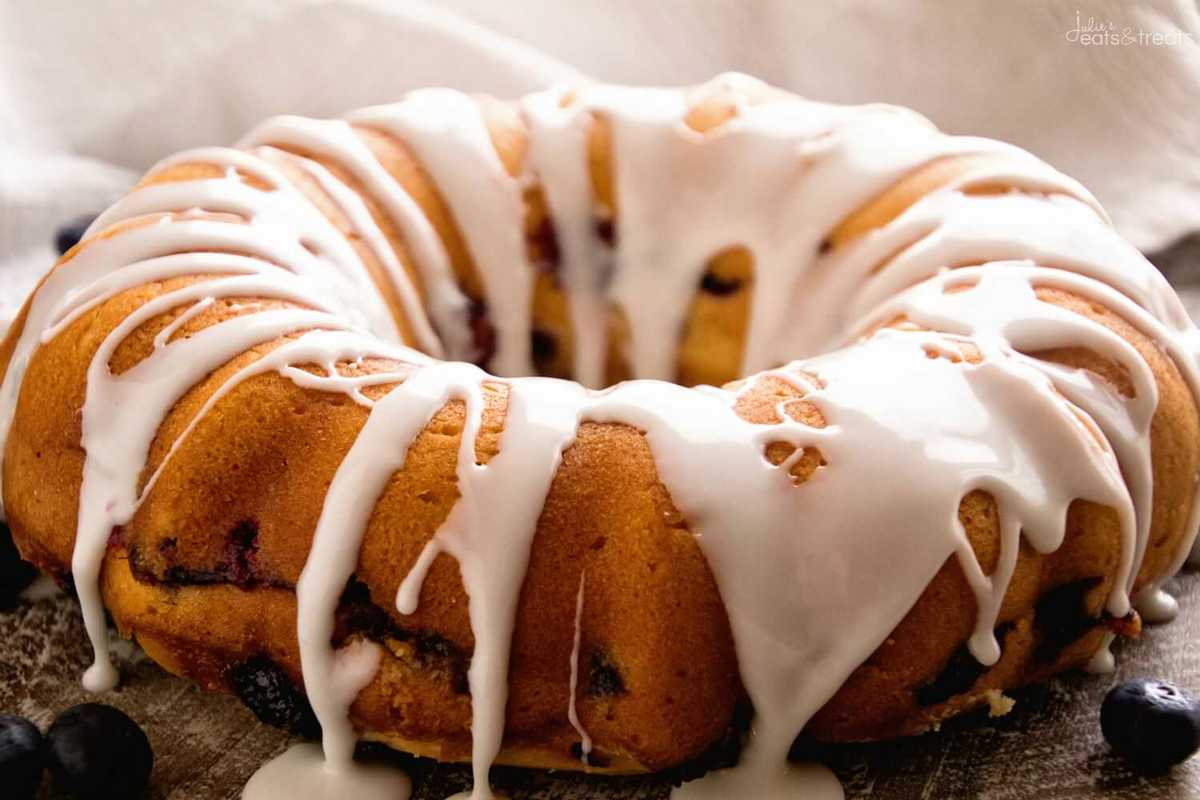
(999, 704)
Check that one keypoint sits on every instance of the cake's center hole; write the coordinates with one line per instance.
(711, 339)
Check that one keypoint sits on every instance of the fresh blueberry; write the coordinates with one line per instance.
(96, 752)
(1154, 725)
(20, 757)
(69, 235)
(267, 690)
(15, 574)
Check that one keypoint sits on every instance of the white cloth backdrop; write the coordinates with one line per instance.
(94, 91)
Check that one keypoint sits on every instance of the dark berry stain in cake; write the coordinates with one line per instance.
(543, 346)
(357, 613)
(241, 553)
(483, 333)
(606, 231)
(116, 537)
(545, 245)
(604, 679)
(958, 676)
(1061, 617)
(177, 575)
(596, 758)
(267, 691)
(237, 566)
(717, 286)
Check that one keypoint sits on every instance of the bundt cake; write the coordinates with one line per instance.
(242, 417)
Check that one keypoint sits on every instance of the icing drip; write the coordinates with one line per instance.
(447, 132)
(137, 256)
(585, 741)
(1001, 301)
(958, 425)
(961, 406)
(117, 442)
(960, 229)
(280, 215)
(492, 552)
(788, 172)
(1102, 661)
(365, 226)
(337, 140)
(1156, 606)
(558, 136)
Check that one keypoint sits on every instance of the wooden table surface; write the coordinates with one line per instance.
(1048, 748)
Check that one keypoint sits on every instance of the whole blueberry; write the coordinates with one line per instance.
(69, 235)
(96, 752)
(1154, 725)
(20, 757)
(15, 574)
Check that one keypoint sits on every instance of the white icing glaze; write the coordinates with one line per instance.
(959, 425)
(302, 772)
(117, 441)
(1006, 305)
(1102, 661)
(492, 554)
(365, 226)
(336, 139)
(1156, 606)
(558, 136)
(788, 172)
(284, 217)
(961, 407)
(108, 266)
(446, 131)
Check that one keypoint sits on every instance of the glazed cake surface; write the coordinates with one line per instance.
(240, 417)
